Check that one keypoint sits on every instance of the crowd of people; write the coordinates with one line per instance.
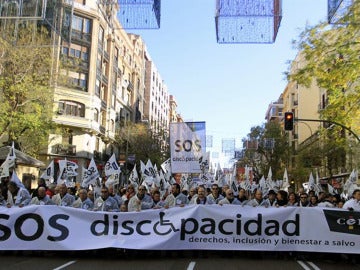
(130, 198)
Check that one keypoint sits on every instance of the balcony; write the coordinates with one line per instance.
(61, 149)
(106, 56)
(102, 129)
(130, 87)
(80, 37)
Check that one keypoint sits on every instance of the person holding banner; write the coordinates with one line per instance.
(229, 198)
(258, 200)
(17, 196)
(176, 198)
(41, 198)
(157, 201)
(4, 188)
(130, 192)
(63, 198)
(115, 195)
(201, 197)
(105, 202)
(354, 203)
(83, 201)
(140, 201)
(215, 195)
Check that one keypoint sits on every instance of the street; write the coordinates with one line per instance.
(190, 260)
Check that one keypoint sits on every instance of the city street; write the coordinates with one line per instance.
(190, 260)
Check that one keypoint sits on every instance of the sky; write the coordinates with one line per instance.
(229, 86)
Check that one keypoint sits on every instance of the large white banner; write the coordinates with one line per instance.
(187, 146)
(211, 227)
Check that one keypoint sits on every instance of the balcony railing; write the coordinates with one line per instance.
(61, 149)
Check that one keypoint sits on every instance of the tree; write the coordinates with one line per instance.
(141, 141)
(331, 58)
(272, 149)
(26, 97)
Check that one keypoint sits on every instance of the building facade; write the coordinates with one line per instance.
(112, 81)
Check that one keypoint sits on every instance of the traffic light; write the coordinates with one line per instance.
(289, 121)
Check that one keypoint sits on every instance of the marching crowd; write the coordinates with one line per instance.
(130, 198)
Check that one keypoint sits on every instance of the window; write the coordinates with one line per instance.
(113, 100)
(112, 125)
(77, 51)
(116, 54)
(103, 118)
(71, 108)
(96, 116)
(78, 80)
(101, 35)
(97, 88)
(77, 23)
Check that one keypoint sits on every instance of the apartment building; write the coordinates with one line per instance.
(307, 102)
(157, 106)
(106, 87)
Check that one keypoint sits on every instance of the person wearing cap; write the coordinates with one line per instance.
(270, 201)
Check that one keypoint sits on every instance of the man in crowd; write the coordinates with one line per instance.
(229, 198)
(63, 198)
(215, 195)
(201, 197)
(258, 199)
(157, 201)
(41, 198)
(115, 195)
(83, 201)
(304, 200)
(140, 201)
(354, 202)
(271, 199)
(176, 198)
(105, 202)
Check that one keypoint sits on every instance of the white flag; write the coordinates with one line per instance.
(67, 169)
(166, 166)
(150, 168)
(134, 177)
(49, 172)
(11, 156)
(14, 178)
(112, 167)
(269, 177)
(91, 174)
(144, 170)
(4, 169)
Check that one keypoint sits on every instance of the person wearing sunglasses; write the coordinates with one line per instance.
(304, 200)
(140, 201)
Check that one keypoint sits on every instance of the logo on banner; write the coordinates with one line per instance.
(343, 221)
